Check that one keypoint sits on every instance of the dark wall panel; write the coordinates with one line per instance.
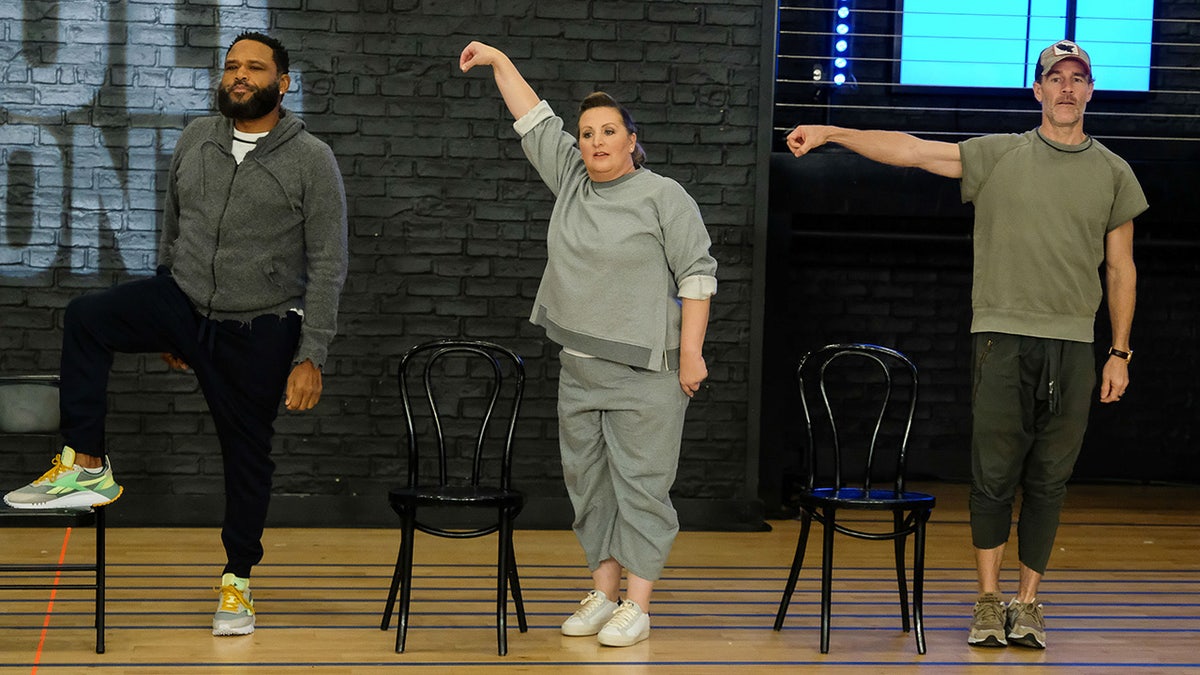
(447, 220)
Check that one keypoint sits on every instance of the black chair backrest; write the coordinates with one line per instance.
(469, 385)
(857, 392)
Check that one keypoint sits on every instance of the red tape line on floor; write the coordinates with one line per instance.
(62, 555)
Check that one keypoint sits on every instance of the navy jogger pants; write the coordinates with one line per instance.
(242, 367)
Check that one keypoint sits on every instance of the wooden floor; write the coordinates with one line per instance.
(1123, 595)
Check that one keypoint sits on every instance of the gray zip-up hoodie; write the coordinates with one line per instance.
(262, 237)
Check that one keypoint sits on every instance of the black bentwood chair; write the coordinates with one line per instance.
(472, 393)
(872, 388)
(29, 406)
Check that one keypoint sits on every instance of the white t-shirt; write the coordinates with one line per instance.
(243, 143)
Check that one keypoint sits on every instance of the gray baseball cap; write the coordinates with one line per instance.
(1063, 49)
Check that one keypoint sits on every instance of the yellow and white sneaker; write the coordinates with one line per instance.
(235, 611)
(67, 486)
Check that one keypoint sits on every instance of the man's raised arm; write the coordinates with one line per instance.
(888, 147)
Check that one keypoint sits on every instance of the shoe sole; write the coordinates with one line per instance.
(1028, 640)
(580, 632)
(623, 641)
(222, 631)
(77, 500)
(990, 641)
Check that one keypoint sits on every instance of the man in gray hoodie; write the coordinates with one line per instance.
(252, 259)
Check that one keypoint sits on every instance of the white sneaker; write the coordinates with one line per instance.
(628, 626)
(597, 609)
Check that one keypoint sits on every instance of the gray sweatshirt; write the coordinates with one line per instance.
(618, 254)
(263, 237)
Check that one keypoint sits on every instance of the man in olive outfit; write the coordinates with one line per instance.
(1051, 205)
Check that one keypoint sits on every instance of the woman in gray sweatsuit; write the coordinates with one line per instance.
(626, 293)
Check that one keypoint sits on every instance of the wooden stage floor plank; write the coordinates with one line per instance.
(1123, 595)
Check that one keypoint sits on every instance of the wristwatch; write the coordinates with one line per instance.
(1127, 356)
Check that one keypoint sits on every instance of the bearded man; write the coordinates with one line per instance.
(252, 259)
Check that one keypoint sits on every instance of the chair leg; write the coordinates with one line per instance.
(502, 567)
(827, 577)
(901, 577)
(514, 584)
(919, 580)
(394, 588)
(406, 548)
(100, 579)
(794, 574)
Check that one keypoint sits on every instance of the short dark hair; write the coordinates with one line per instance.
(278, 51)
(599, 99)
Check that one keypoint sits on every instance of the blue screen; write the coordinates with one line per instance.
(993, 43)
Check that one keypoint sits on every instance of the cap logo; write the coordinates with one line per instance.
(1064, 48)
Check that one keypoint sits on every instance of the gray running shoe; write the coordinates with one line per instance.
(988, 622)
(1026, 625)
(67, 486)
(235, 611)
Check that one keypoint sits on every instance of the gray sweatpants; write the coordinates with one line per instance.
(1029, 413)
(619, 433)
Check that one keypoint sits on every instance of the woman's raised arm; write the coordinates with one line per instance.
(518, 95)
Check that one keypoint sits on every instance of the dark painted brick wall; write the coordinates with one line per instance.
(447, 230)
(447, 221)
